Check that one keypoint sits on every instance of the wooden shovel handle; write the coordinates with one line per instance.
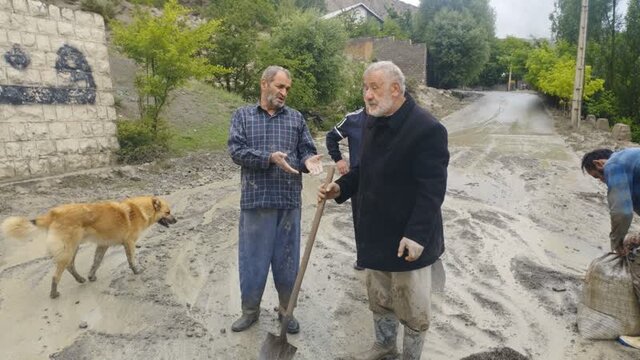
(305, 258)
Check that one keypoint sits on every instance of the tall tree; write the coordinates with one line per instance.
(481, 11)
(628, 73)
(458, 48)
(236, 41)
(565, 19)
(312, 49)
(508, 55)
(166, 49)
(603, 24)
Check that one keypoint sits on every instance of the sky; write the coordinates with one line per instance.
(520, 18)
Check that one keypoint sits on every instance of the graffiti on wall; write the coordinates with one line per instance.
(70, 64)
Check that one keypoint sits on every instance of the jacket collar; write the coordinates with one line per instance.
(282, 110)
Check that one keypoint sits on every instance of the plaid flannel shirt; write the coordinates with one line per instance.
(622, 176)
(253, 136)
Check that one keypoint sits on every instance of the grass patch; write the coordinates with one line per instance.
(205, 137)
(199, 117)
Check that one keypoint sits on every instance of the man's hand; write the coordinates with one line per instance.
(622, 250)
(413, 248)
(279, 159)
(326, 192)
(343, 166)
(314, 164)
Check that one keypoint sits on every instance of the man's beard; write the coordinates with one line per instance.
(273, 101)
(383, 107)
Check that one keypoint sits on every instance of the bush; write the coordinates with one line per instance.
(139, 143)
(603, 104)
(352, 98)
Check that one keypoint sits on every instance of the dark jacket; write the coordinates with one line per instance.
(351, 128)
(400, 185)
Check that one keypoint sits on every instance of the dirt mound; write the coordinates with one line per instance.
(504, 353)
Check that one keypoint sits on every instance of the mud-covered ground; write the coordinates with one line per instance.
(521, 222)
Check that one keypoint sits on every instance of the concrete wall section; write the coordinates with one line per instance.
(56, 96)
(410, 58)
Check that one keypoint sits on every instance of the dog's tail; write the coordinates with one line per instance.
(21, 228)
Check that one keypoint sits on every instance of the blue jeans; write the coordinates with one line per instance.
(268, 237)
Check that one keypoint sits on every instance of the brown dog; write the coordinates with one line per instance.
(105, 223)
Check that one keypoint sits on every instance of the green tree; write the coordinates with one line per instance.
(603, 25)
(551, 69)
(312, 49)
(236, 41)
(507, 55)
(356, 28)
(459, 34)
(565, 19)
(391, 27)
(166, 50)
(628, 70)
(458, 47)
(480, 10)
(405, 20)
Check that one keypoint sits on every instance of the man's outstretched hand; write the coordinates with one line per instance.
(280, 160)
(314, 164)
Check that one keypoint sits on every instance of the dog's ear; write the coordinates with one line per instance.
(157, 205)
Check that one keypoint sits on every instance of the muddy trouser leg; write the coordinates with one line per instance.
(285, 260)
(411, 301)
(385, 322)
(354, 213)
(438, 277)
(257, 235)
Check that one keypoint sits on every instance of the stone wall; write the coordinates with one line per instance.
(56, 96)
(411, 58)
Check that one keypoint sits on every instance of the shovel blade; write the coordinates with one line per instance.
(276, 348)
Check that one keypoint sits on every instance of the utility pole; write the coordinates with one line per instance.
(578, 84)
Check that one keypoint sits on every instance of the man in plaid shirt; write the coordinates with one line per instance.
(621, 172)
(272, 144)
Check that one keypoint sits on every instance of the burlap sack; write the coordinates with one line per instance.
(609, 306)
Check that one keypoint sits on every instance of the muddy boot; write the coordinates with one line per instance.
(245, 321)
(386, 328)
(293, 327)
(412, 344)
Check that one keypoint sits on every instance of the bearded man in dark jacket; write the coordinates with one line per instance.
(399, 185)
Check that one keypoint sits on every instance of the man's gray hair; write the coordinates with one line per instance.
(270, 72)
(391, 71)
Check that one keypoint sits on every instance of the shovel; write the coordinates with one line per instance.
(277, 347)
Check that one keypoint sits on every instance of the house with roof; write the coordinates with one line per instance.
(379, 7)
(410, 57)
(359, 12)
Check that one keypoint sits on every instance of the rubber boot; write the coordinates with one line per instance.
(248, 318)
(412, 344)
(386, 329)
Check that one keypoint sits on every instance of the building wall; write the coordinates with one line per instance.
(410, 58)
(56, 96)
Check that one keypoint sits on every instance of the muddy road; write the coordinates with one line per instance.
(521, 222)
